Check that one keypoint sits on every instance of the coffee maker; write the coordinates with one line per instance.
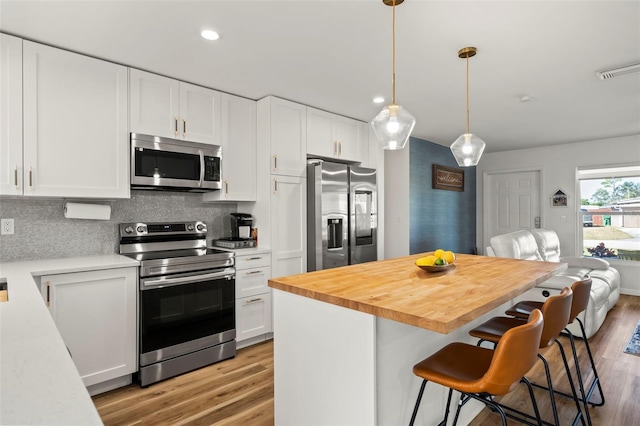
(241, 225)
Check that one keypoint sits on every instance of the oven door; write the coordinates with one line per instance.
(183, 313)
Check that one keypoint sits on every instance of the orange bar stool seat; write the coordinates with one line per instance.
(556, 311)
(581, 293)
(480, 373)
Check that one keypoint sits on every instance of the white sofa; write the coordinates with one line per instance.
(544, 245)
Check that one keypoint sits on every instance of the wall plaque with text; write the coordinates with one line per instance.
(449, 178)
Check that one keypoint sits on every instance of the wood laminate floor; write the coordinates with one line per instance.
(240, 390)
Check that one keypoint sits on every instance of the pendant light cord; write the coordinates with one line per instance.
(467, 93)
(393, 53)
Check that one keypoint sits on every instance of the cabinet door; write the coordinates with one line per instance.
(253, 316)
(320, 139)
(75, 125)
(95, 313)
(288, 225)
(288, 138)
(238, 141)
(10, 115)
(346, 133)
(154, 103)
(199, 114)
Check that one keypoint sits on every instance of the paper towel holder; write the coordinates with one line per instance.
(87, 211)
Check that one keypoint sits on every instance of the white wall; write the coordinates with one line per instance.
(559, 164)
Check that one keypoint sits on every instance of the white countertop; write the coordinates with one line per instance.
(39, 383)
(245, 251)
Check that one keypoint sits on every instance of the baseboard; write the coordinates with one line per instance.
(630, 291)
(112, 384)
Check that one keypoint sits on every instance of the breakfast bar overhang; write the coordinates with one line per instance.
(346, 339)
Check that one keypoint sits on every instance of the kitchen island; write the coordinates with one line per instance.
(346, 339)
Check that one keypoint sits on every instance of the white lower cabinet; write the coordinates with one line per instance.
(253, 298)
(95, 313)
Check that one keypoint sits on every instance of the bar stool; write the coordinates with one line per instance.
(581, 293)
(555, 310)
(481, 373)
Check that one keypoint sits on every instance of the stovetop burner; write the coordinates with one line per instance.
(166, 248)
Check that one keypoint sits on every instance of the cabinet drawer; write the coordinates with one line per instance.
(250, 282)
(253, 316)
(253, 261)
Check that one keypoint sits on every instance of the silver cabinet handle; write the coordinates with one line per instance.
(15, 176)
(250, 301)
(175, 121)
(275, 186)
(226, 187)
(48, 302)
(254, 272)
(254, 258)
(184, 127)
(30, 177)
(275, 162)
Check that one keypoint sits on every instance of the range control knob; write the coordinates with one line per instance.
(201, 227)
(128, 229)
(141, 228)
(190, 227)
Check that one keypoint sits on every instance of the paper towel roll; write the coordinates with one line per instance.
(87, 211)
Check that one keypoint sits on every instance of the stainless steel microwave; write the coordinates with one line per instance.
(175, 165)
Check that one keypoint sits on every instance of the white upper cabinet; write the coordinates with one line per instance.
(238, 141)
(287, 134)
(333, 136)
(75, 125)
(10, 115)
(161, 106)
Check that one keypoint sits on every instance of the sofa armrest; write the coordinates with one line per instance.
(490, 252)
(585, 262)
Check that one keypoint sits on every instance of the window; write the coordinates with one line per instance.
(610, 210)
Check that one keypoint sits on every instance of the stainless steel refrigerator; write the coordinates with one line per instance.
(341, 215)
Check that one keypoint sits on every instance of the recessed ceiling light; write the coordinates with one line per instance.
(378, 100)
(210, 35)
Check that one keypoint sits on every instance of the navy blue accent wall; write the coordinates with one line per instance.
(439, 218)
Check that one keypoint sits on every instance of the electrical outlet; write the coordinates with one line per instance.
(6, 226)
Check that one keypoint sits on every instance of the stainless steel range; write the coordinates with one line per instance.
(186, 303)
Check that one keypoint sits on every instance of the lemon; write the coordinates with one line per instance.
(449, 256)
(438, 253)
(426, 261)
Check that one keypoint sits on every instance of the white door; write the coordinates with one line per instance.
(512, 202)
(155, 104)
(288, 225)
(10, 115)
(199, 114)
(288, 138)
(76, 141)
(95, 313)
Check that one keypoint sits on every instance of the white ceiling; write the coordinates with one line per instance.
(336, 55)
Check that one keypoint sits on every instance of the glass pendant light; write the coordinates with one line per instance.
(468, 148)
(393, 125)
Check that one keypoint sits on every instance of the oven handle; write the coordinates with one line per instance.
(151, 283)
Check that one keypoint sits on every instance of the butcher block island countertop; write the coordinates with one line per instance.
(398, 290)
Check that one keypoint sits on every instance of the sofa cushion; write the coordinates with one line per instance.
(585, 262)
(548, 244)
(516, 245)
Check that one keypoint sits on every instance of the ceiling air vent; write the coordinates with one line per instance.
(615, 72)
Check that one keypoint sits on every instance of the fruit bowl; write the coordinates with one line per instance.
(436, 268)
